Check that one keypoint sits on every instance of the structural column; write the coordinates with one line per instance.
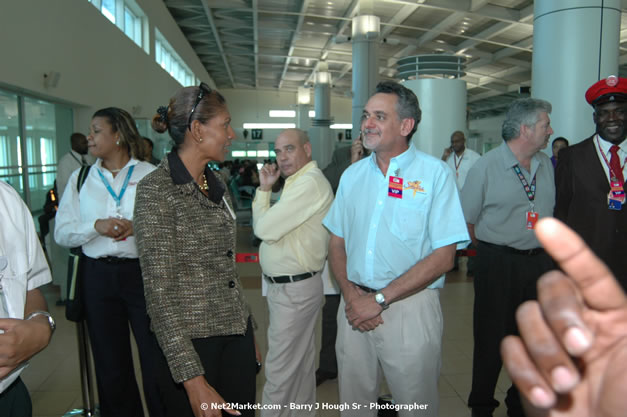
(443, 105)
(365, 38)
(442, 99)
(575, 43)
(320, 132)
(302, 110)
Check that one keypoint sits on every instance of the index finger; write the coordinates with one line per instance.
(599, 288)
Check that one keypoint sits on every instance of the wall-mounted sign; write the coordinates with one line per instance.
(256, 134)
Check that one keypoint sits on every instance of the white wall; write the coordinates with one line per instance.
(485, 131)
(99, 65)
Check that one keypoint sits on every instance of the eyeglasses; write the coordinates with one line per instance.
(203, 89)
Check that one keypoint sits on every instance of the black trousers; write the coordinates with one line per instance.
(328, 361)
(15, 400)
(114, 297)
(230, 368)
(503, 281)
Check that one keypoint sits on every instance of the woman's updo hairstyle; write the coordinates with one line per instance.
(175, 117)
(123, 123)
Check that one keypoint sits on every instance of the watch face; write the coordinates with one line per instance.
(379, 298)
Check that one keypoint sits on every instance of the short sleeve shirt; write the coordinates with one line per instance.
(386, 235)
(495, 201)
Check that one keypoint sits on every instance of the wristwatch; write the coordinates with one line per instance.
(51, 322)
(380, 299)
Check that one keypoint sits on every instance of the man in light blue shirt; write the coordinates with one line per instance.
(395, 225)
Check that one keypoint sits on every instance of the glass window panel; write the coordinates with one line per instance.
(48, 161)
(129, 27)
(171, 62)
(41, 159)
(138, 31)
(108, 9)
(238, 154)
(10, 154)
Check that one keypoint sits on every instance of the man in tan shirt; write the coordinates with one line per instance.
(292, 256)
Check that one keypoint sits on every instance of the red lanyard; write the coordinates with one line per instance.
(455, 161)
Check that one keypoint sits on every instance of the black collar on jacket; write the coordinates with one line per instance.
(180, 175)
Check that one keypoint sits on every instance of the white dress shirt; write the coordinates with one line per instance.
(69, 163)
(604, 150)
(461, 165)
(23, 266)
(77, 215)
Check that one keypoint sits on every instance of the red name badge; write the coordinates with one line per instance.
(395, 187)
(532, 219)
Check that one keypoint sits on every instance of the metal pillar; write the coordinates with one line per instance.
(575, 43)
(320, 132)
(365, 39)
(84, 356)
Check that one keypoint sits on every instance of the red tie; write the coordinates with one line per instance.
(615, 165)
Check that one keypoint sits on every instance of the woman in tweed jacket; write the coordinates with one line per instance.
(185, 227)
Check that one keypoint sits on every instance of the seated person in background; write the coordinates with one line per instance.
(571, 357)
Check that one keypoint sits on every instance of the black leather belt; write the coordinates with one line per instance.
(367, 289)
(116, 260)
(508, 249)
(284, 279)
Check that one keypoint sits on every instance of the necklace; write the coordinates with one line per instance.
(204, 186)
(116, 170)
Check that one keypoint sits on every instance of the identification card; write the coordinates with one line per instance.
(532, 219)
(616, 197)
(395, 187)
(615, 204)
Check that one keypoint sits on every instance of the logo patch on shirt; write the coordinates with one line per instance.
(415, 186)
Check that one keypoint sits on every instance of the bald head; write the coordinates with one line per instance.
(458, 142)
(78, 142)
(293, 151)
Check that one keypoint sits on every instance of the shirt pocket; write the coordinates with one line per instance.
(13, 282)
(409, 221)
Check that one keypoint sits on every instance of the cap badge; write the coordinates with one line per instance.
(612, 80)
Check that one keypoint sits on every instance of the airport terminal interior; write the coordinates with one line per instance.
(290, 63)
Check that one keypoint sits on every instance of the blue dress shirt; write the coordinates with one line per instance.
(385, 236)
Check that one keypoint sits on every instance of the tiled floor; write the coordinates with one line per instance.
(54, 382)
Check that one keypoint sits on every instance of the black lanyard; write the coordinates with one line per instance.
(530, 190)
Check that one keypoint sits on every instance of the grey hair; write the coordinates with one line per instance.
(524, 111)
(407, 105)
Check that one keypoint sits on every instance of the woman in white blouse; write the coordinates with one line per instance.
(100, 220)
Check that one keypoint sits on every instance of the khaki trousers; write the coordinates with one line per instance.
(406, 348)
(291, 359)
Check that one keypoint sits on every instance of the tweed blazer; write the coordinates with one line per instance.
(186, 245)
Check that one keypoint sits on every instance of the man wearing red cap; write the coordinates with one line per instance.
(590, 178)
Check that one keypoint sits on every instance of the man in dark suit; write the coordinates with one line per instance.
(590, 178)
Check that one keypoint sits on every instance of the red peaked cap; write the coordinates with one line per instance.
(610, 89)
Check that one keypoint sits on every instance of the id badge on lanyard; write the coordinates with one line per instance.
(616, 196)
(531, 216)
